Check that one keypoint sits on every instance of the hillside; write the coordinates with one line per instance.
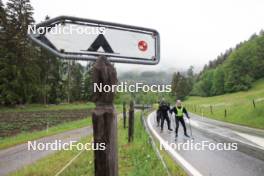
(233, 71)
(239, 106)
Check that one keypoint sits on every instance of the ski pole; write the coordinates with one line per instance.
(190, 128)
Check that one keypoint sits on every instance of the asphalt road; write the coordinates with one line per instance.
(16, 157)
(247, 160)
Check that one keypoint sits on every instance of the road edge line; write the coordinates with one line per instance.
(187, 166)
(154, 146)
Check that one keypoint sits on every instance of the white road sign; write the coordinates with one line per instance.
(83, 39)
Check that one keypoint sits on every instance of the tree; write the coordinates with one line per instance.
(218, 82)
(88, 83)
(190, 78)
(2, 23)
(76, 80)
(238, 77)
(50, 76)
(2, 30)
(206, 83)
(22, 61)
(180, 86)
(29, 74)
(183, 89)
(174, 83)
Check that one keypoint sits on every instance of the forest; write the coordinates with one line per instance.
(233, 71)
(29, 74)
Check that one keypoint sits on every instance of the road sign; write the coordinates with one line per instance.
(84, 39)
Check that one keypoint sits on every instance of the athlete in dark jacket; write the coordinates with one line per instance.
(179, 110)
(158, 114)
(164, 108)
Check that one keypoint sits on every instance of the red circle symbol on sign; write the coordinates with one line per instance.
(142, 45)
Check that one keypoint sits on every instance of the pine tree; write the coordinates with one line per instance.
(50, 76)
(218, 82)
(23, 61)
(76, 78)
(180, 86)
(7, 67)
(190, 78)
(88, 83)
(2, 16)
(2, 25)
(174, 83)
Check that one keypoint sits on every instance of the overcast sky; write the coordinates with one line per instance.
(192, 31)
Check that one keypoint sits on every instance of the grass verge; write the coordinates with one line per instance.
(173, 167)
(136, 158)
(239, 106)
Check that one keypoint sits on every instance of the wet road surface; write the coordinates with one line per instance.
(247, 160)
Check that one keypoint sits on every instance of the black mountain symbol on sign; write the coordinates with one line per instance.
(100, 41)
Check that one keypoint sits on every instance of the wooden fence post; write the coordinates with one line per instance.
(131, 122)
(254, 104)
(211, 109)
(124, 114)
(104, 119)
(225, 113)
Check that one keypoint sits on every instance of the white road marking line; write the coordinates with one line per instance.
(253, 144)
(185, 164)
(228, 124)
(255, 139)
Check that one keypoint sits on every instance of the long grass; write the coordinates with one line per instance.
(235, 108)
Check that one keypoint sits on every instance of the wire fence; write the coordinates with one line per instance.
(224, 108)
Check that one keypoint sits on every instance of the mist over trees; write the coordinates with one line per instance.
(148, 77)
(29, 74)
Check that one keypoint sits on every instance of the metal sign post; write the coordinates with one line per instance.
(104, 42)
